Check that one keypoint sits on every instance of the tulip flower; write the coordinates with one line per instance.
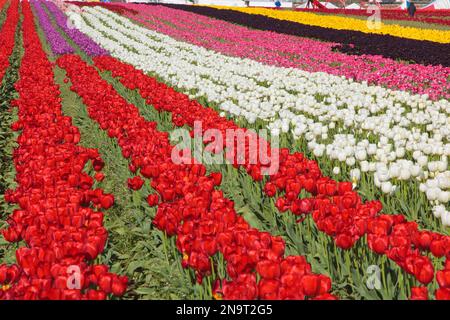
(419, 293)
(135, 183)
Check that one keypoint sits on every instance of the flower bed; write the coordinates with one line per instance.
(57, 42)
(346, 23)
(61, 231)
(309, 105)
(309, 168)
(336, 209)
(82, 40)
(189, 206)
(7, 35)
(350, 42)
(287, 51)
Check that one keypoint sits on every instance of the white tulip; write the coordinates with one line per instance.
(415, 170)
(444, 196)
(404, 174)
(350, 161)
(445, 217)
(432, 194)
(422, 161)
(386, 187)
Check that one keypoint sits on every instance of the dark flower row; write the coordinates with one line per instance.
(350, 42)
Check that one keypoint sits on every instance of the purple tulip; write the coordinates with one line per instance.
(57, 43)
(83, 41)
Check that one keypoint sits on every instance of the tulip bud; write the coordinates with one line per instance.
(107, 201)
(119, 286)
(217, 177)
(152, 200)
(419, 293)
(105, 282)
(135, 183)
(99, 176)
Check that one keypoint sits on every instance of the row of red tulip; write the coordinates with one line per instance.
(190, 207)
(336, 208)
(433, 16)
(59, 217)
(7, 36)
(2, 4)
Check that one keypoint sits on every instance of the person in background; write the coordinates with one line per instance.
(411, 7)
(278, 4)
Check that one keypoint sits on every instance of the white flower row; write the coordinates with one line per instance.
(392, 134)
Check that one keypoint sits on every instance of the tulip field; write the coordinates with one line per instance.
(338, 190)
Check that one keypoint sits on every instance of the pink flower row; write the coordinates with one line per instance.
(290, 51)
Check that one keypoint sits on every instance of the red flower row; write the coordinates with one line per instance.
(420, 15)
(61, 231)
(2, 4)
(336, 208)
(7, 36)
(189, 207)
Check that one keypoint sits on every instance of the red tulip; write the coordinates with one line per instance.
(419, 293)
(268, 289)
(443, 278)
(107, 201)
(268, 269)
(105, 282)
(326, 296)
(135, 183)
(310, 285)
(217, 177)
(442, 294)
(152, 200)
(119, 286)
(189, 199)
(99, 176)
(344, 241)
(270, 189)
(378, 244)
